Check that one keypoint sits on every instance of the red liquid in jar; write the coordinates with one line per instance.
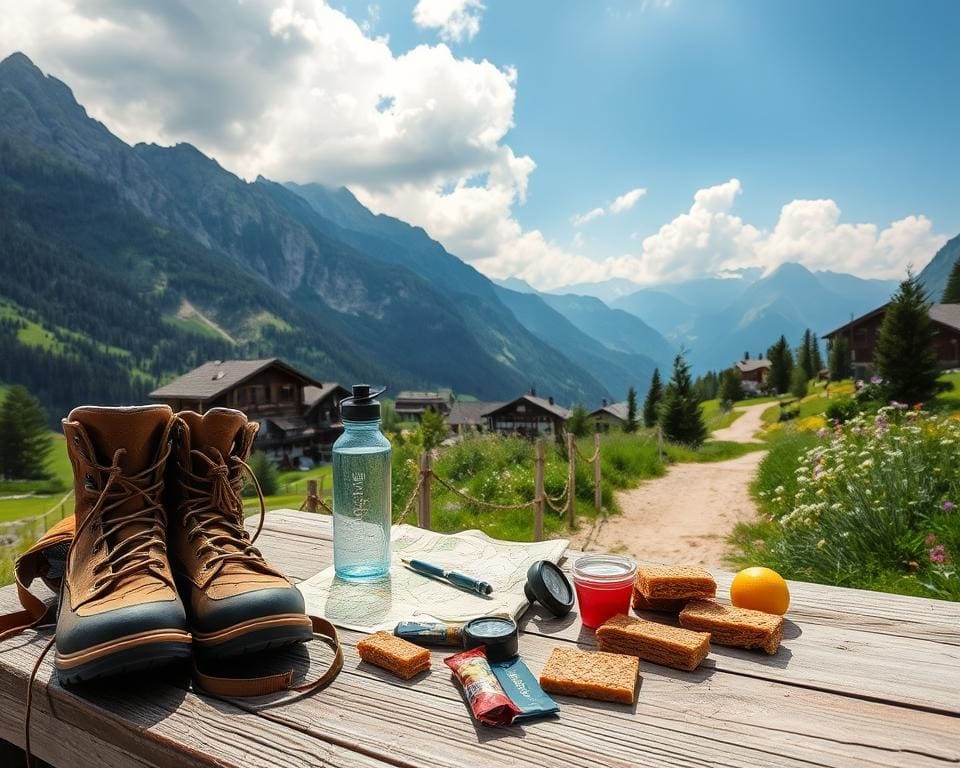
(600, 602)
(604, 585)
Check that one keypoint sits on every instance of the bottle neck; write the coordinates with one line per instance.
(362, 426)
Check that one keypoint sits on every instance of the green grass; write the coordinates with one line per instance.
(715, 417)
(193, 324)
(293, 489)
(46, 492)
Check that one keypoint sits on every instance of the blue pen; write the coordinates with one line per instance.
(457, 579)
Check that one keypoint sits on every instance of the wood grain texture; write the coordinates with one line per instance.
(862, 680)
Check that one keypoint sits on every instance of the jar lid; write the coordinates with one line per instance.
(549, 586)
(500, 636)
(604, 569)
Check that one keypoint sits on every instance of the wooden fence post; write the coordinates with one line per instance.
(311, 496)
(660, 443)
(423, 503)
(597, 488)
(538, 493)
(323, 479)
(571, 477)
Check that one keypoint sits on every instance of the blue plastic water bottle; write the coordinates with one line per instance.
(362, 504)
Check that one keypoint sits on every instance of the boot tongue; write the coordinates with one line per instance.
(141, 432)
(138, 431)
(220, 429)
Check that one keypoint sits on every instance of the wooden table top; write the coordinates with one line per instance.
(862, 678)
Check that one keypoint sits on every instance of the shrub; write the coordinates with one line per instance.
(841, 410)
(266, 473)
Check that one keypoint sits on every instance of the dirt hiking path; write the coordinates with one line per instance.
(685, 516)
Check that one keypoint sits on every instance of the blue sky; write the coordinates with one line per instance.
(856, 101)
(823, 132)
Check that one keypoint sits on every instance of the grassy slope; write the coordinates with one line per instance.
(751, 543)
(46, 494)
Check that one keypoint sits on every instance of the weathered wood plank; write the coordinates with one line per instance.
(144, 721)
(680, 719)
(739, 709)
(842, 657)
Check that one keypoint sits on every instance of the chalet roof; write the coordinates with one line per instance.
(313, 395)
(470, 413)
(746, 366)
(856, 321)
(617, 410)
(557, 410)
(217, 376)
(944, 314)
(425, 397)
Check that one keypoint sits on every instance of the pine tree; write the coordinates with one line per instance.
(680, 415)
(652, 401)
(805, 354)
(951, 294)
(840, 358)
(579, 421)
(798, 382)
(433, 429)
(781, 366)
(905, 355)
(631, 424)
(817, 357)
(24, 440)
(730, 388)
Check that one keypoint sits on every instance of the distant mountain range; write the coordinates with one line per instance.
(124, 266)
(935, 275)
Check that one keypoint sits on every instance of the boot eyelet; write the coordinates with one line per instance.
(76, 439)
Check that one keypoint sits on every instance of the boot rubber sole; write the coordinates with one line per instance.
(253, 636)
(132, 653)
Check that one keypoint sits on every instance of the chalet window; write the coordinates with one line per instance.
(266, 393)
(286, 394)
(521, 409)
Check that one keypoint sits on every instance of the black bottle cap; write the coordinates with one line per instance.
(499, 636)
(549, 586)
(361, 405)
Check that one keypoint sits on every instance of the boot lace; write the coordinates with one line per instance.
(141, 551)
(214, 509)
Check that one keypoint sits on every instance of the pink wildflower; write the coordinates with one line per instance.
(822, 432)
(931, 539)
(948, 505)
(938, 554)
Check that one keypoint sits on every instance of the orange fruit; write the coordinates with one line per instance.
(761, 589)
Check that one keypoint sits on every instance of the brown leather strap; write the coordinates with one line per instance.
(29, 566)
(245, 687)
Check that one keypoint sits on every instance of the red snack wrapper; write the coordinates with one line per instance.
(489, 704)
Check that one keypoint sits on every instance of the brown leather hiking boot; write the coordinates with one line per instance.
(237, 603)
(119, 608)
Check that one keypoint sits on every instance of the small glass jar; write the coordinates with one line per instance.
(604, 585)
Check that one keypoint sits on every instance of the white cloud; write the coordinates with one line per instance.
(627, 200)
(578, 220)
(624, 202)
(455, 19)
(297, 90)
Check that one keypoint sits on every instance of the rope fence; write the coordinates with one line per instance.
(563, 504)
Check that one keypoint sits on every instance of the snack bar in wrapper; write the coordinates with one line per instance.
(487, 700)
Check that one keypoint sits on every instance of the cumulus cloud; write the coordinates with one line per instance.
(627, 200)
(455, 19)
(578, 220)
(297, 90)
(294, 90)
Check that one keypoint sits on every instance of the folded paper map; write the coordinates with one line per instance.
(408, 596)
